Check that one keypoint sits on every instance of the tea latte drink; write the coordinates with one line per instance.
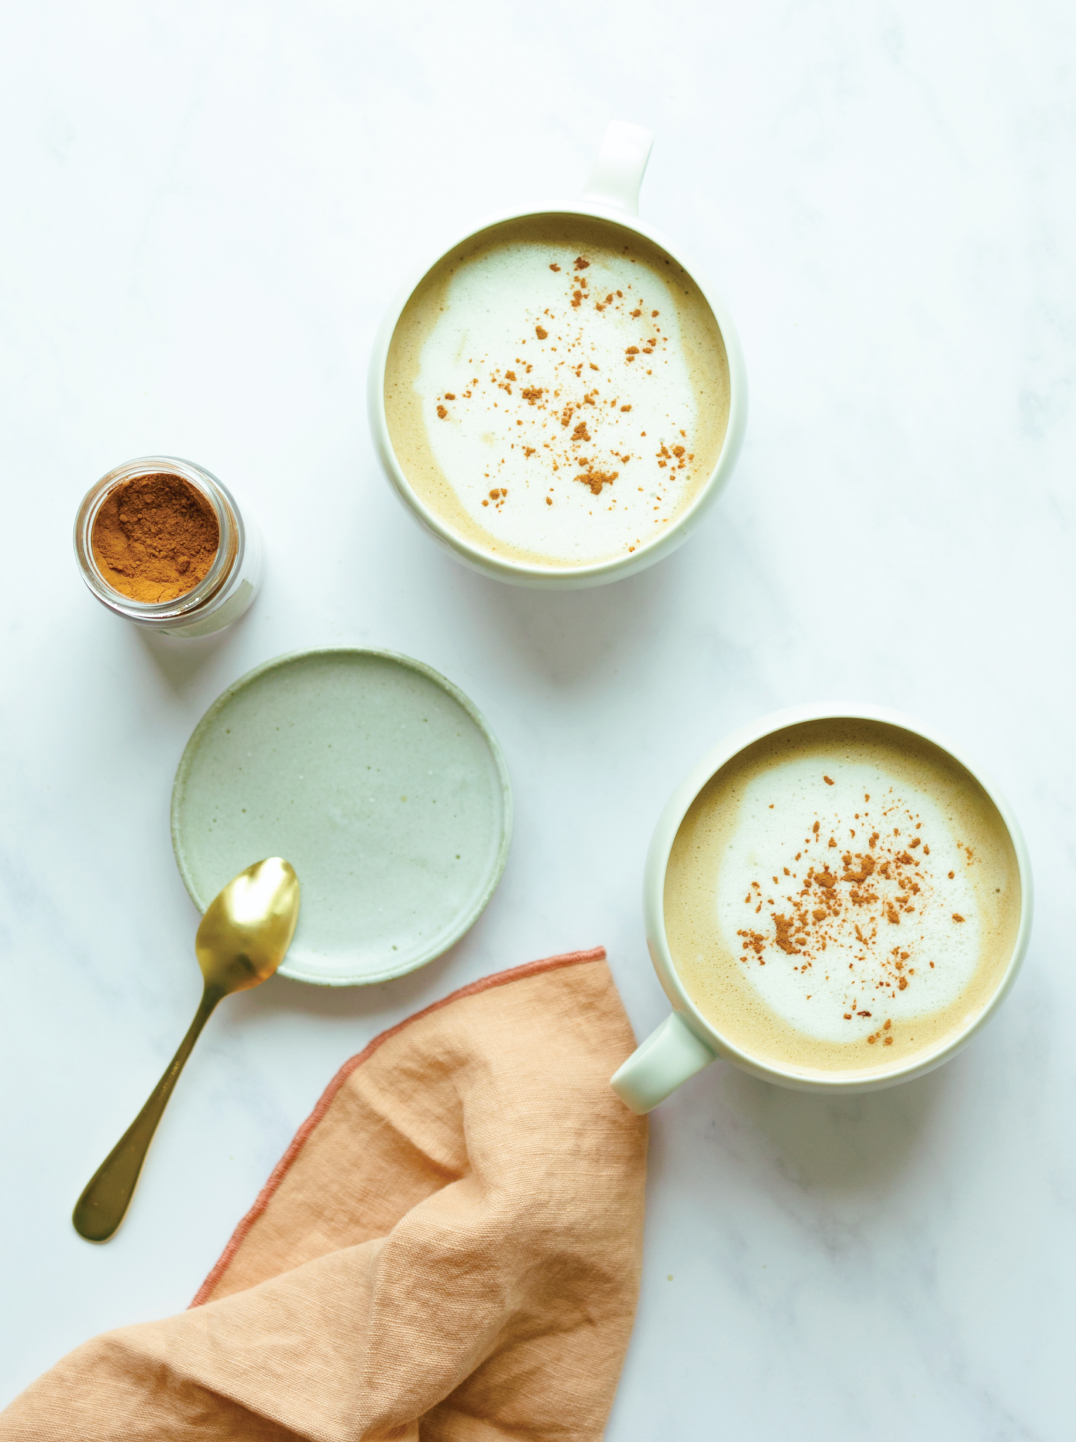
(557, 391)
(841, 896)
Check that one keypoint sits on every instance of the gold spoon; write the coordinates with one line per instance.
(242, 939)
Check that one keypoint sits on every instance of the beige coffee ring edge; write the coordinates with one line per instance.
(611, 194)
(685, 1042)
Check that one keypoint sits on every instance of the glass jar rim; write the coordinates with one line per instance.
(230, 545)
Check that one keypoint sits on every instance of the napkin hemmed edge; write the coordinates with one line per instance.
(280, 1171)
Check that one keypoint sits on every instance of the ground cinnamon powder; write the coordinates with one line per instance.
(155, 537)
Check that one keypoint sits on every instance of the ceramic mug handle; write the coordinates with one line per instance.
(618, 171)
(665, 1059)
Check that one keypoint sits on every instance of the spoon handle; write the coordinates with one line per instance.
(100, 1209)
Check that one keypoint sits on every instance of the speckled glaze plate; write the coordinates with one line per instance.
(377, 779)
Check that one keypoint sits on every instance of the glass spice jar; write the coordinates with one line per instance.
(220, 597)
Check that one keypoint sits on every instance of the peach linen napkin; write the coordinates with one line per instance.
(449, 1250)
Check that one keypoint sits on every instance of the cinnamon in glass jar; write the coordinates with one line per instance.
(155, 537)
(161, 542)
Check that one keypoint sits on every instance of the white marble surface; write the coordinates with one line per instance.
(205, 207)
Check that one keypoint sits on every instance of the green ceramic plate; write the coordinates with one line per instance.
(377, 779)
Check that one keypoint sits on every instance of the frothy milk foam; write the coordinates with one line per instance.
(557, 390)
(841, 896)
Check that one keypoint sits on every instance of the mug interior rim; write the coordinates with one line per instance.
(713, 484)
(657, 865)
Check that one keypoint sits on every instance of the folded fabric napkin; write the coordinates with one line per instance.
(449, 1250)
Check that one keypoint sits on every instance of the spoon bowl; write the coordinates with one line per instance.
(247, 928)
(242, 939)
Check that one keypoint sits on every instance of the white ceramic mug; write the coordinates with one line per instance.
(686, 1041)
(611, 193)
